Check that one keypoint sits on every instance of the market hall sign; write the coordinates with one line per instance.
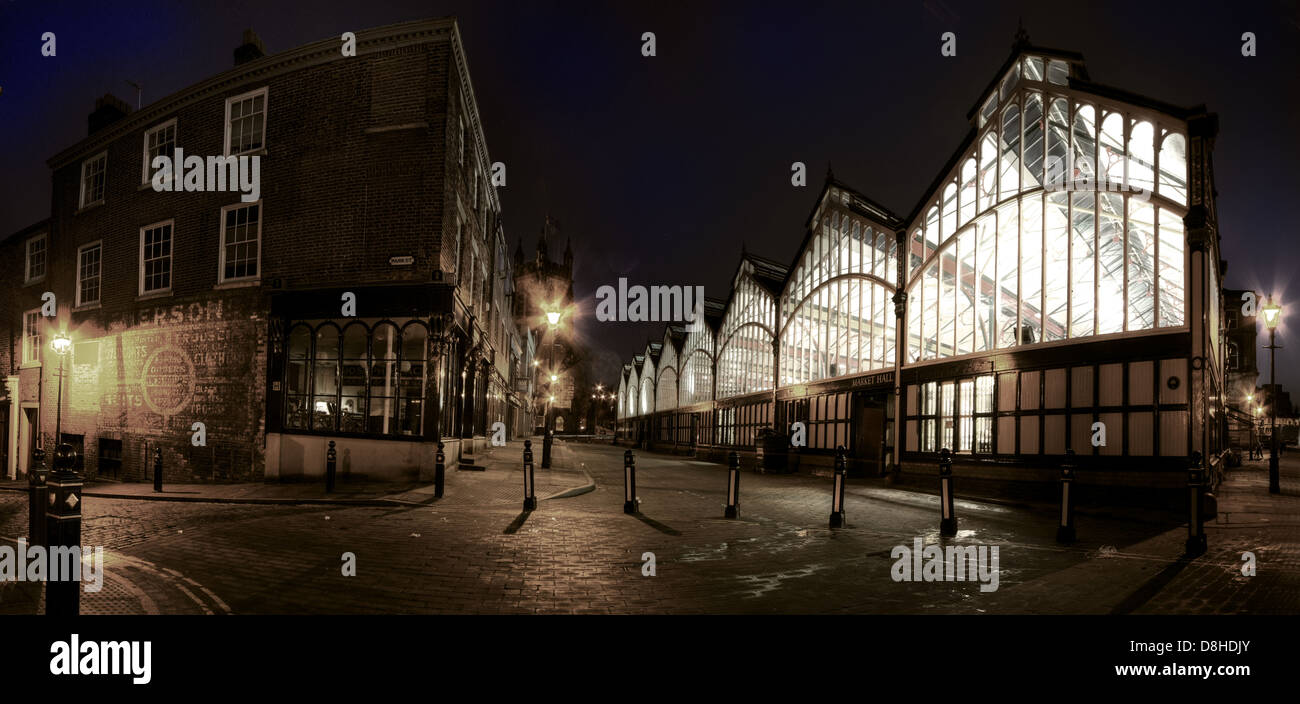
(879, 379)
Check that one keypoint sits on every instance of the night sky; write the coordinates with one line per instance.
(660, 168)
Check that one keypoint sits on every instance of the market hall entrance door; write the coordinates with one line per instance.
(868, 422)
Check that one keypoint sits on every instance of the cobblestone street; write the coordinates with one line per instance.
(475, 551)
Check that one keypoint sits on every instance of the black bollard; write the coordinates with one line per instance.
(1196, 543)
(157, 469)
(439, 472)
(36, 482)
(733, 485)
(331, 466)
(63, 525)
(839, 478)
(546, 449)
(948, 524)
(631, 504)
(1065, 531)
(530, 498)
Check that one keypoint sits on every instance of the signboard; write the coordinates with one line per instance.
(401, 261)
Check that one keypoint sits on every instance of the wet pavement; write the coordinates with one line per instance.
(476, 551)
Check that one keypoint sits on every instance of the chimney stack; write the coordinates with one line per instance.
(108, 109)
(251, 49)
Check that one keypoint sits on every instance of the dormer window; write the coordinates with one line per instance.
(1009, 83)
(1033, 68)
(1058, 72)
(990, 107)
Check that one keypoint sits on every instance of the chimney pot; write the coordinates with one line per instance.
(251, 48)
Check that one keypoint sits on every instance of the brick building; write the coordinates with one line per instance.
(364, 297)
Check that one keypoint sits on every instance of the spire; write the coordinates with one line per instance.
(830, 172)
(1022, 37)
(519, 253)
(568, 252)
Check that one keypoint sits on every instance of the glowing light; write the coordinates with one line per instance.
(553, 317)
(61, 343)
(1271, 313)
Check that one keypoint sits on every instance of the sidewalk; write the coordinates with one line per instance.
(501, 482)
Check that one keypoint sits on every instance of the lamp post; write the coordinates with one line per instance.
(63, 499)
(1272, 312)
(61, 344)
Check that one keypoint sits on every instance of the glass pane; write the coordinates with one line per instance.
(1031, 272)
(1058, 72)
(1141, 265)
(1173, 168)
(1033, 171)
(967, 196)
(1056, 266)
(1008, 261)
(1171, 269)
(1084, 169)
(1010, 175)
(1110, 263)
(1142, 157)
(1082, 264)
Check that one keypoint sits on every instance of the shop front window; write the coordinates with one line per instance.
(366, 377)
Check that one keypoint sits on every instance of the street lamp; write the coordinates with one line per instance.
(1272, 312)
(61, 344)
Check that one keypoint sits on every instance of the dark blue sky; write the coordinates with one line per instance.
(660, 168)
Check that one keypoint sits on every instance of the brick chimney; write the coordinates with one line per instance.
(251, 49)
(108, 109)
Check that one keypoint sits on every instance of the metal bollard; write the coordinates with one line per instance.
(837, 488)
(546, 449)
(1196, 543)
(439, 472)
(631, 504)
(63, 523)
(530, 498)
(948, 524)
(331, 465)
(157, 469)
(1065, 531)
(36, 481)
(733, 485)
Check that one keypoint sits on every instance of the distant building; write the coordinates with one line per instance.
(544, 287)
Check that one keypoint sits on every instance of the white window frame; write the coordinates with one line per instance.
(81, 201)
(171, 278)
(147, 172)
(27, 347)
(221, 243)
(82, 248)
(27, 258)
(266, 120)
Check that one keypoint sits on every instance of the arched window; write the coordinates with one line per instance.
(325, 381)
(297, 378)
(1173, 168)
(383, 379)
(353, 376)
(412, 379)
